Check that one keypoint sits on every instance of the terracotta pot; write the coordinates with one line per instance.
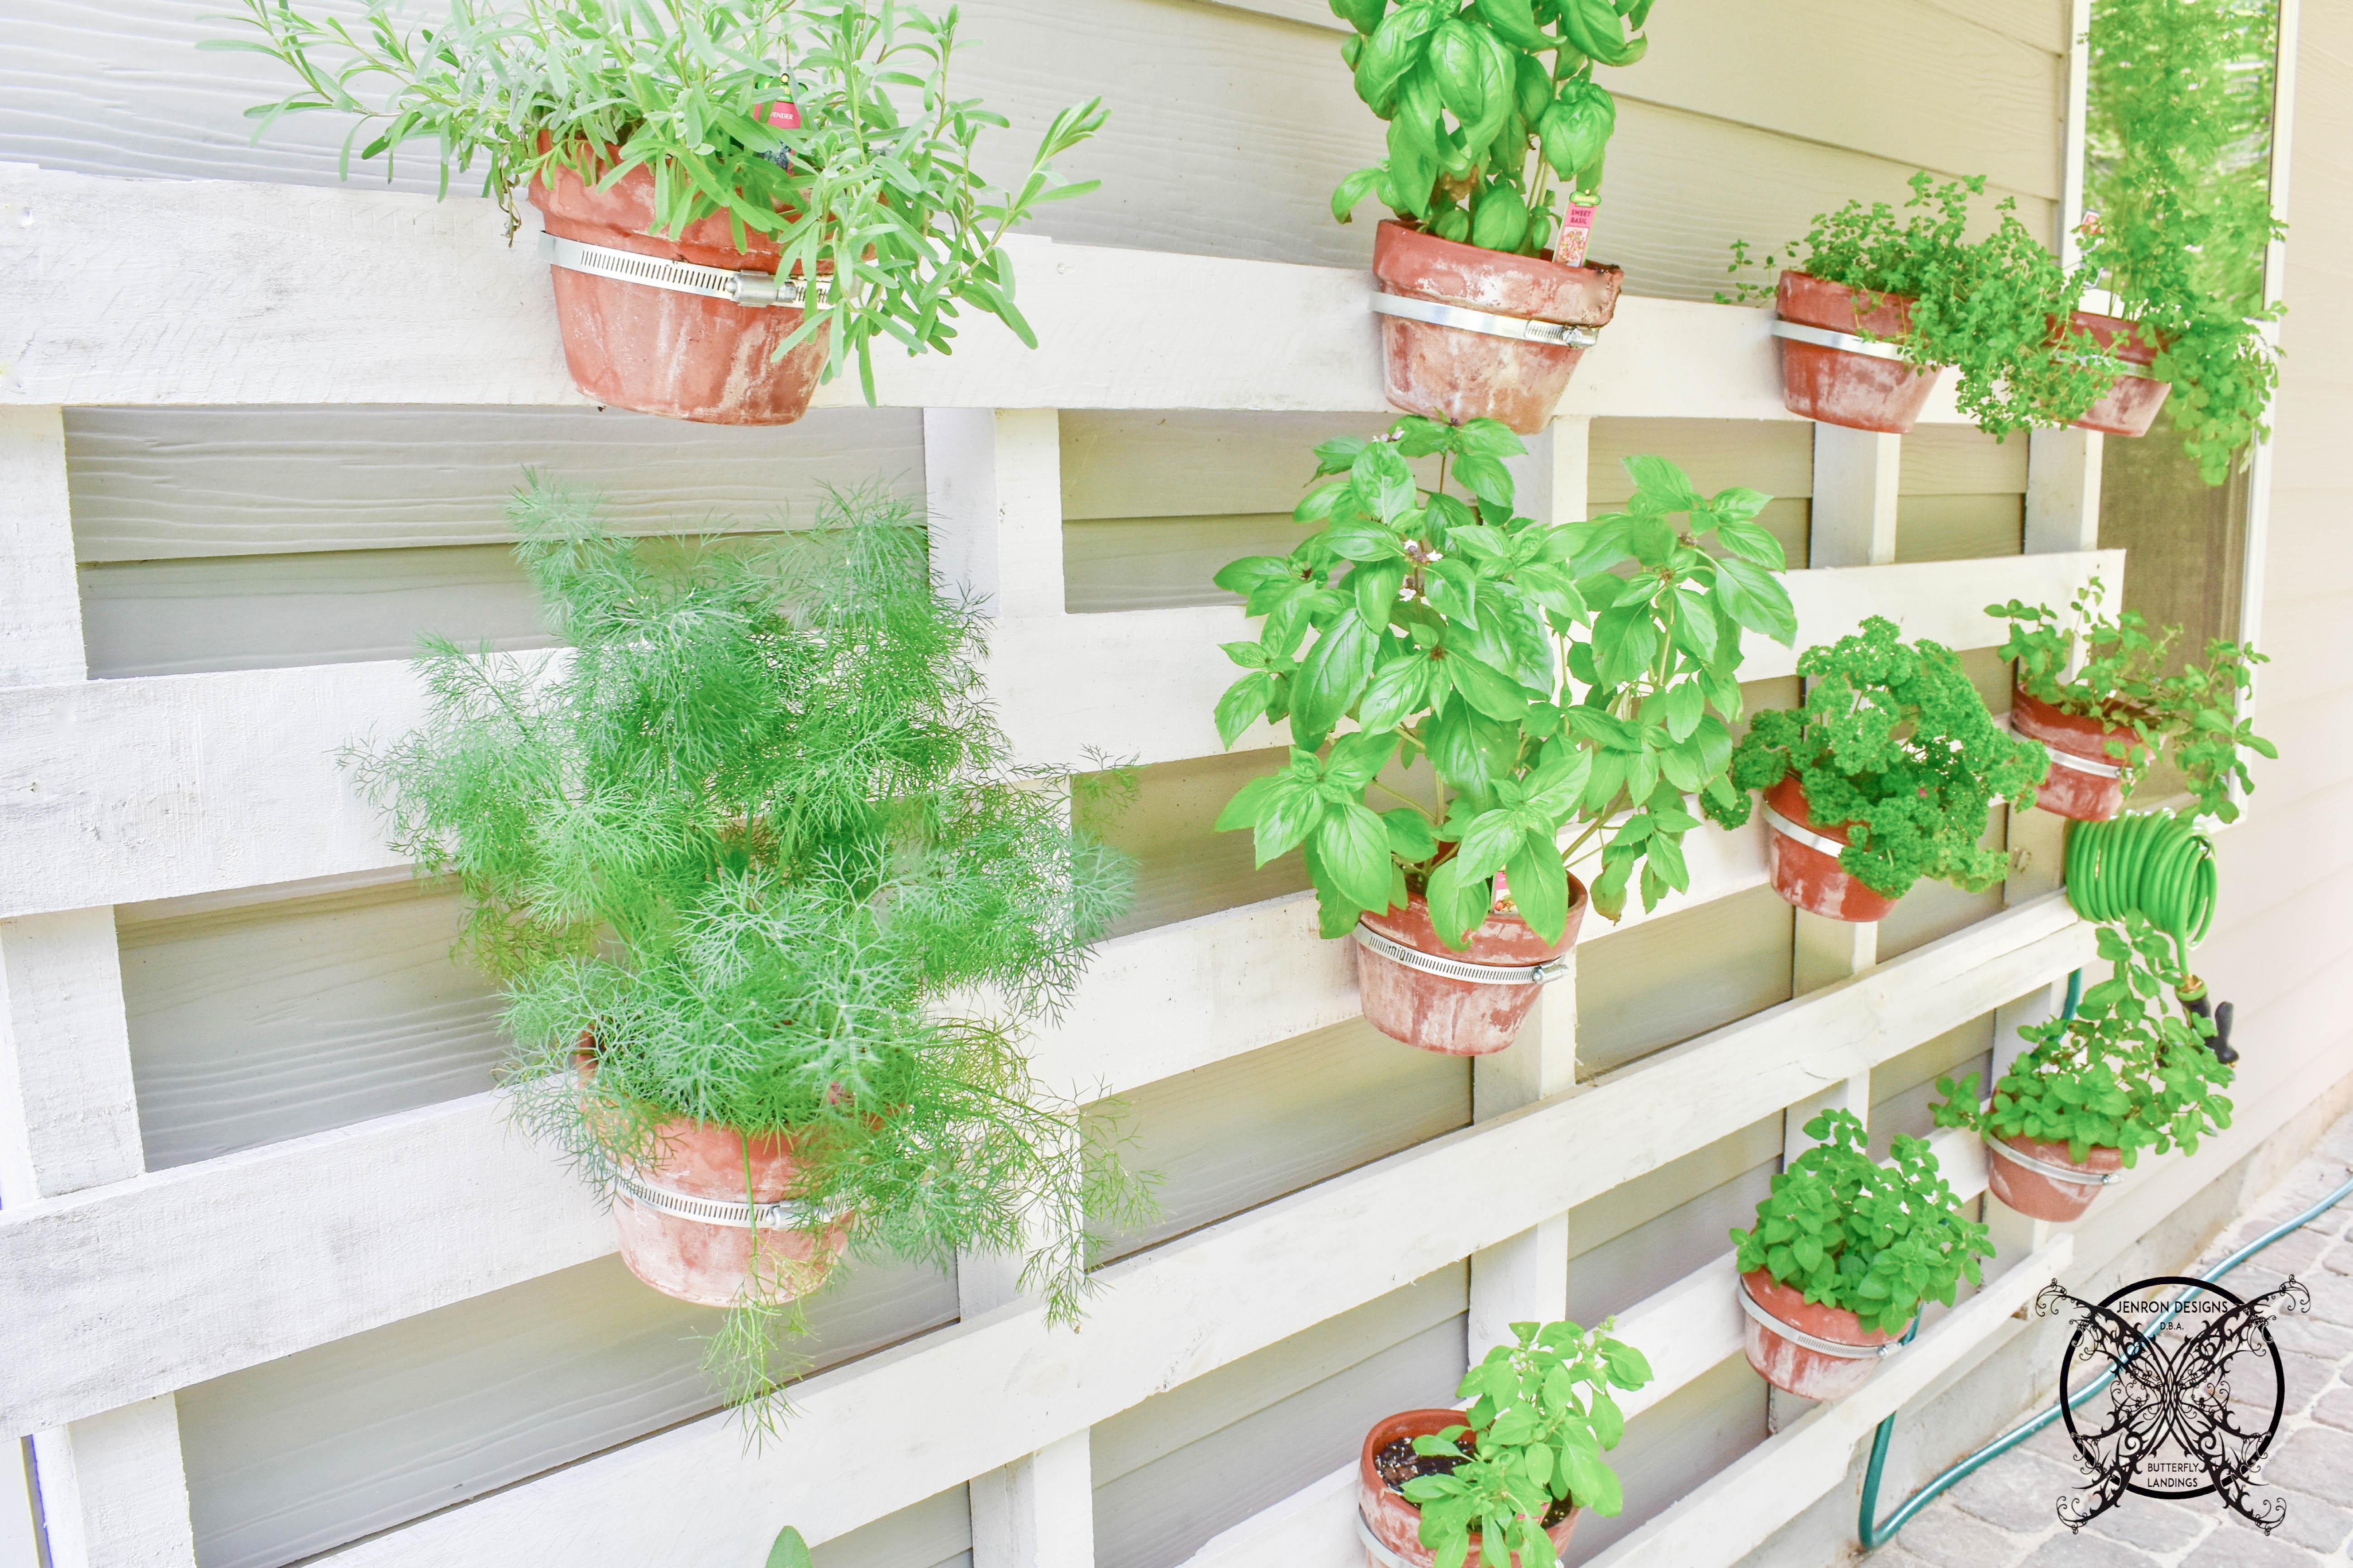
(1397, 1523)
(682, 355)
(2085, 782)
(714, 1262)
(1862, 392)
(1794, 1368)
(2130, 405)
(2038, 1196)
(1812, 877)
(1456, 375)
(1456, 1018)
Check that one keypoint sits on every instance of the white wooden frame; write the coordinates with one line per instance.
(123, 1286)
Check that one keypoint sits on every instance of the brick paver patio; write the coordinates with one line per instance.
(2003, 1514)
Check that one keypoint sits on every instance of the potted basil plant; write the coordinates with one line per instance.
(2116, 715)
(1440, 1489)
(742, 863)
(1886, 775)
(1486, 297)
(739, 195)
(2129, 1071)
(1844, 1253)
(1557, 703)
(1872, 308)
(2182, 218)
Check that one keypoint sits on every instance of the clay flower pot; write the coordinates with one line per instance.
(629, 346)
(687, 1230)
(2046, 1194)
(1457, 375)
(2086, 781)
(1797, 1369)
(1396, 1524)
(1861, 386)
(2130, 405)
(1457, 1017)
(1803, 856)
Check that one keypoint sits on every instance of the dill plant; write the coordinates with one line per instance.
(760, 839)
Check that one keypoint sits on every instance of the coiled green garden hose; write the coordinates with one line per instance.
(2150, 863)
(1875, 1533)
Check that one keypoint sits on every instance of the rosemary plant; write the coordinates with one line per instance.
(758, 835)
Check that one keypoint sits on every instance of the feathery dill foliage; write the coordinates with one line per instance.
(763, 838)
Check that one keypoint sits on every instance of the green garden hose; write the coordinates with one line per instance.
(1875, 1533)
(2153, 864)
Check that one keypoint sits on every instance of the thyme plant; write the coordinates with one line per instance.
(1985, 306)
(2132, 1070)
(2178, 181)
(1893, 740)
(1539, 1421)
(1579, 675)
(1872, 1239)
(1489, 104)
(876, 185)
(2191, 718)
(758, 839)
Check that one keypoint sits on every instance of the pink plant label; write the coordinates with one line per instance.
(784, 115)
(1575, 232)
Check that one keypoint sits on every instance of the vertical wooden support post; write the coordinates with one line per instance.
(112, 1488)
(20, 1546)
(1525, 1278)
(1853, 515)
(994, 480)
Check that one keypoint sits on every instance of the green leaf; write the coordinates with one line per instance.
(1411, 838)
(1662, 484)
(1458, 903)
(1357, 757)
(1488, 690)
(1243, 811)
(1328, 682)
(1398, 690)
(1514, 22)
(1539, 885)
(1376, 587)
(1487, 479)
(1244, 704)
(1350, 193)
(1757, 599)
(1251, 573)
(790, 1550)
(1353, 845)
(1751, 542)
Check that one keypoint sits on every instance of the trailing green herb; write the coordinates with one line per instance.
(2191, 719)
(1875, 1240)
(1488, 103)
(876, 187)
(758, 838)
(1449, 628)
(2178, 181)
(2131, 1071)
(1540, 1418)
(1986, 308)
(1893, 740)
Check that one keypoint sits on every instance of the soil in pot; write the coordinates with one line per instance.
(1457, 375)
(1809, 875)
(629, 346)
(2038, 1196)
(2085, 782)
(2130, 405)
(1794, 1368)
(1837, 386)
(1437, 1013)
(1387, 1461)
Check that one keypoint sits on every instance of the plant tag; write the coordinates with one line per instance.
(784, 115)
(1575, 232)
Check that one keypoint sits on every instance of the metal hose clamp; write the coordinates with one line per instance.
(754, 290)
(785, 1214)
(1798, 1336)
(1802, 833)
(1845, 343)
(2076, 762)
(2067, 1174)
(1551, 969)
(1553, 335)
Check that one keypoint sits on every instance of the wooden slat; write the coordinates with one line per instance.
(277, 291)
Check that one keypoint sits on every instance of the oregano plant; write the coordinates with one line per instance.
(1530, 1444)
(1894, 740)
(2132, 1070)
(2190, 718)
(1872, 1239)
(756, 843)
(1985, 307)
(1491, 110)
(872, 179)
(1576, 679)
